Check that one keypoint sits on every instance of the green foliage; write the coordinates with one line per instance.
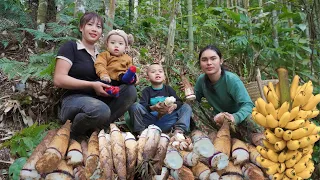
(23, 142)
(15, 168)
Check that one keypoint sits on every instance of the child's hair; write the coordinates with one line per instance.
(151, 65)
(88, 16)
(128, 38)
(206, 78)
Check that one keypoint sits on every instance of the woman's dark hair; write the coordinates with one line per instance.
(206, 78)
(88, 16)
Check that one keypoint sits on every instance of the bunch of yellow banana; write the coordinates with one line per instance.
(289, 133)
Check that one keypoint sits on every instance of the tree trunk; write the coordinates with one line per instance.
(171, 34)
(260, 5)
(106, 8)
(111, 13)
(60, 6)
(79, 7)
(130, 11)
(135, 10)
(274, 28)
(190, 29)
(41, 19)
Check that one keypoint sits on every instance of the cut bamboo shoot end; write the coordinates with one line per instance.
(239, 156)
(164, 174)
(29, 174)
(61, 175)
(231, 177)
(214, 176)
(204, 147)
(219, 161)
(173, 160)
(190, 158)
(74, 157)
(201, 171)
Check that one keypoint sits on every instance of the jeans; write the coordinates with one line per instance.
(178, 119)
(88, 113)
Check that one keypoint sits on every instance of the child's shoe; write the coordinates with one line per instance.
(129, 76)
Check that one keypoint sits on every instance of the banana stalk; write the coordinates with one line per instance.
(284, 85)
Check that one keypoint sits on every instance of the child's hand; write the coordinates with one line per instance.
(172, 108)
(106, 79)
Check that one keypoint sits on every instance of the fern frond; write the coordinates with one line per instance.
(12, 68)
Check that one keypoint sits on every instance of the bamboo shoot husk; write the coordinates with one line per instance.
(74, 155)
(161, 153)
(190, 158)
(141, 142)
(55, 151)
(79, 173)
(106, 161)
(232, 172)
(253, 154)
(240, 153)
(212, 136)
(29, 169)
(170, 178)
(182, 173)
(188, 89)
(201, 171)
(84, 147)
(118, 151)
(252, 172)
(63, 172)
(173, 159)
(153, 138)
(92, 160)
(163, 176)
(257, 139)
(202, 144)
(132, 154)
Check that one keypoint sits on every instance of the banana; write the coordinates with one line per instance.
(294, 86)
(310, 165)
(285, 118)
(270, 97)
(283, 108)
(312, 103)
(314, 139)
(304, 142)
(298, 156)
(285, 177)
(287, 135)
(271, 121)
(303, 114)
(259, 119)
(271, 138)
(281, 167)
(307, 150)
(271, 110)
(282, 156)
(294, 112)
(273, 156)
(308, 90)
(261, 106)
(293, 125)
(305, 158)
(297, 178)
(310, 128)
(306, 174)
(271, 170)
(278, 132)
(262, 151)
(267, 163)
(290, 154)
(293, 144)
(278, 89)
(269, 145)
(299, 100)
(316, 130)
(280, 145)
(290, 173)
(265, 91)
(299, 133)
(254, 109)
(314, 114)
(299, 167)
(277, 176)
(291, 162)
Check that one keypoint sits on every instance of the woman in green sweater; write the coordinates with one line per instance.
(223, 90)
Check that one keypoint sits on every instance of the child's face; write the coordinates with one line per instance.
(116, 45)
(156, 74)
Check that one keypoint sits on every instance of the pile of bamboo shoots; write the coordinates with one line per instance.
(289, 132)
(117, 155)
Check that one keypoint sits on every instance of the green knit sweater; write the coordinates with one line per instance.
(229, 95)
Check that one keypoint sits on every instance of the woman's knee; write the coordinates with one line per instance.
(130, 92)
(186, 108)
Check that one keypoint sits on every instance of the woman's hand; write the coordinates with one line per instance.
(219, 118)
(99, 88)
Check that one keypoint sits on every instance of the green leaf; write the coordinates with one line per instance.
(302, 27)
(235, 16)
(15, 168)
(28, 142)
(298, 56)
(306, 49)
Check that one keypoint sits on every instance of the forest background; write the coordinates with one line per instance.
(251, 34)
